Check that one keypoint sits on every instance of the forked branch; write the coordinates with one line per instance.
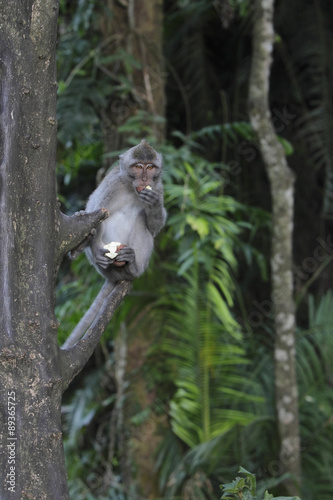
(76, 230)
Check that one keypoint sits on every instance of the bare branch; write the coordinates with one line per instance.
(73, 359)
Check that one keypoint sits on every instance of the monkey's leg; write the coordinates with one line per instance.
(89, 316)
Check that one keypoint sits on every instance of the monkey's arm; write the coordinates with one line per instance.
(155, 212)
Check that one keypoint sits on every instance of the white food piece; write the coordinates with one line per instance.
(112, 247)
(148, 187)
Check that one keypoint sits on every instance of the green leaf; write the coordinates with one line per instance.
(199, 225)
(222, 311)
(288, 147)
(251, 478)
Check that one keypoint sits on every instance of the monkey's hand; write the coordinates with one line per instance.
(101, 259)
(125, 254)
(149, 196)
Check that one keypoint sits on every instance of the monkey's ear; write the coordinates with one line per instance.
(159, 160)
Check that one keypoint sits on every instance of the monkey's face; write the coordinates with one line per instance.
(143, 175)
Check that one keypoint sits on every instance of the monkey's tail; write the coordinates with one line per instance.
(89, 316)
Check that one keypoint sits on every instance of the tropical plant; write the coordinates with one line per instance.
(245, 488)
(314, 356)
(202, 363)
(200, 338)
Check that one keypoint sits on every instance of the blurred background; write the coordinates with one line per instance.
(180, 391)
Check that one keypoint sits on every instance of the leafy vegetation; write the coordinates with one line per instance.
(204, 302)
(244, 488)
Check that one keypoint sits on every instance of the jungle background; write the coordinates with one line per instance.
(180, 392)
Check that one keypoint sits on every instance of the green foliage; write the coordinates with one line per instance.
(77, 104)
(201, 223)
(72, 302)
(314, 361)
(230, 133)
(242, 6)
(204, 363)
(309, 54)
(199, 410)
(241, 487)
(89, 81)
(86, 424)
(244, 488)
(215, 383)
(200, 339)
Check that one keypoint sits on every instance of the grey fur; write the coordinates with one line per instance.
(135, 218)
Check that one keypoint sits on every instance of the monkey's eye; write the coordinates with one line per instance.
(139, 165)
(150, 166)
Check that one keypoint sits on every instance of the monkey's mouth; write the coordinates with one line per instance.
(140, 188)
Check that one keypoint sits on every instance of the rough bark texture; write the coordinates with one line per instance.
(34, 237)
(282, 190)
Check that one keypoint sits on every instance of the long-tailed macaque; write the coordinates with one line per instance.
(133, 194)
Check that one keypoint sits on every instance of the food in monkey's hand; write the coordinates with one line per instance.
(119, 263)
(113, 249)
(141, 188)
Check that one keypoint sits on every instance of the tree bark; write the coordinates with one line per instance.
(281, 181)
(135, 27)
(34, 237)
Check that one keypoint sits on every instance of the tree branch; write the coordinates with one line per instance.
(76, 230)
(73, 359)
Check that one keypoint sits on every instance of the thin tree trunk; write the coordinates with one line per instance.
(135, 27)
(282, 191)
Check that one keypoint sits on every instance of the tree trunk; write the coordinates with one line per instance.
(282, 190)
(135, 27)
(34, 237)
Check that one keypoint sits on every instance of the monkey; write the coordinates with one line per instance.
(136, 215)
(132, 192)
